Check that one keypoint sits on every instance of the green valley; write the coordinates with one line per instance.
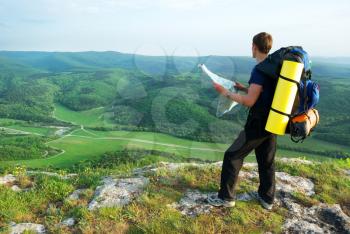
(82, 105)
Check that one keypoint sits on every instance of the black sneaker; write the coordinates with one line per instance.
(214, 200)
(266, 205)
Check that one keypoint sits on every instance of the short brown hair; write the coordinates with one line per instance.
(263, 41)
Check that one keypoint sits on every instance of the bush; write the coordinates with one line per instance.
(53, 188)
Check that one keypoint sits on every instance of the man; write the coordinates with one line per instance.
(258, 97)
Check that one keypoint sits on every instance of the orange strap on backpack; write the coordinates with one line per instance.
(301, 125)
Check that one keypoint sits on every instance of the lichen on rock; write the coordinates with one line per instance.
(117, 192)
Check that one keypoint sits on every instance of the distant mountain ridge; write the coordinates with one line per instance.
(71, 61)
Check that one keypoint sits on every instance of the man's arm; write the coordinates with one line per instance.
(248, 100)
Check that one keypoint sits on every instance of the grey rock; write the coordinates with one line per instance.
(295, 161)
(9, 178)
(16, 188)
(322, 218)
(335, 216)
(76, 194)
(21, 227)
(192, 204)
(295, 225)
(250, 165)
(248, 175)
(68, 222)
(293, 207)
(117, 192)
(290, 184)
(347, 172)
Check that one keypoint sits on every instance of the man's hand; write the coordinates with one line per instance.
(241, 87)
(247, 100)
(220, 89)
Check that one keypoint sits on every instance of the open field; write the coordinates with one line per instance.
(89, 118)
(83, 145)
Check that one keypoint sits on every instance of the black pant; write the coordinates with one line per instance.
(265, 149)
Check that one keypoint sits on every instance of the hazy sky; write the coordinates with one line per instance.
(180, 27)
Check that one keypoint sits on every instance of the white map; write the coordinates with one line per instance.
(224, 104)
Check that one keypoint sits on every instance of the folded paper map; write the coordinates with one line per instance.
(224, 104)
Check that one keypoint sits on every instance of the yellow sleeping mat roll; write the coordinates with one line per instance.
(284, 96)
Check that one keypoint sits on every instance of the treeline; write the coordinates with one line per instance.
(326, 153)
(84, 90)
(26, 100)
(334, 111)
(21, 147)
(337, 138)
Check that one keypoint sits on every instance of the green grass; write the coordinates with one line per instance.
(6, 122)
(45, 131)
(89, 118)
(311, 143)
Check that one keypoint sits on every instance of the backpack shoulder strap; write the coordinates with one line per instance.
(305, 96)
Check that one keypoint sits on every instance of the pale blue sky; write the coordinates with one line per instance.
(180, 27)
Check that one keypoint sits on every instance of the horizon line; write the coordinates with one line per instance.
(152, 55)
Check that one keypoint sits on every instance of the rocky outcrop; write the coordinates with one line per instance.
(9, 180)
(194, 202)
(321, 218)
(117, 192)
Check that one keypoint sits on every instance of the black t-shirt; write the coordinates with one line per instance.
(265, 99)
(257, 117)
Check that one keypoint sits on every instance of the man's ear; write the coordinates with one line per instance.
(254, 50)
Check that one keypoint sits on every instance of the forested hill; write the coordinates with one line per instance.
(153, 93)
